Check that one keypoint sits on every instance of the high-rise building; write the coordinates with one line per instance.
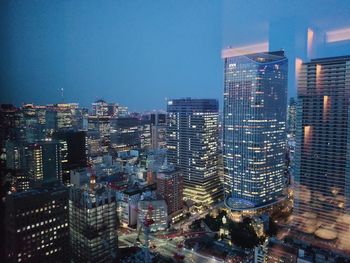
(322, 155)
(192, 143)
(61, 116)
(93, 223)
(158, 130)
(102, 108)
(73, 151)
(158, 118)
(125, 134)
(36, 225)
(9, 120)
(170, 188)
(42, 162)
(255, 103)
(291, 118)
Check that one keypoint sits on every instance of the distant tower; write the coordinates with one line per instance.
(62, 95)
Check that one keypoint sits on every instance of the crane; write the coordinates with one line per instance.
(146, 223)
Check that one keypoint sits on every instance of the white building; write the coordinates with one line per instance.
(158, 210)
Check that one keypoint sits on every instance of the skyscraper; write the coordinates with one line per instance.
(73, 151)
(158, 130)
(255, 102)
(291, 118)
(93, 222)
(192, 143)
(322, 156)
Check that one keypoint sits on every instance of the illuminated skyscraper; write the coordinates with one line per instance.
(255, 103)
(192, 143)
(322, 166)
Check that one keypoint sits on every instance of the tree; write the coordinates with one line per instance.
(272, 231)
(243, 234)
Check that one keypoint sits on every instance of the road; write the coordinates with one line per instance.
(168, 247)
(184, 225)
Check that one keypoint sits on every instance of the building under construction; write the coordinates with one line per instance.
(92, 217)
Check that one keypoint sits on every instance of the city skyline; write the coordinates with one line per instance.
(175, 131)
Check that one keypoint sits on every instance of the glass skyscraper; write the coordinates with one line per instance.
(322, 166)
(192, 143)
(255, 102)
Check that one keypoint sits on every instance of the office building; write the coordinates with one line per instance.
(157, 210)
(158, 118)
(192, 144)
(125, 134)
(170, 188)
(9, 120)
(36, 225)
(61, 116)
(158, 130)
(102, 108)
(93, 223)
(42, 162)
(255, 102)
(291, 118)
(322, 155)
(73, 151)
(127, 206)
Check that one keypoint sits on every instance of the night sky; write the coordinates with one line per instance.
(138, 53)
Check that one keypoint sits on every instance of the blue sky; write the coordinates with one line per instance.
(138, 53)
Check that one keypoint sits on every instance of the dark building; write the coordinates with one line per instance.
(322, 155)
(125, 133)
(93, 223)
(36, 226)
(158, 118)
(192, 146)
(73, 151)
(9, 120)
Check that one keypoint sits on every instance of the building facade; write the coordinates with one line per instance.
(157, 210)
(170, 188)
(322, 155)
(42, 162)
(254, 132)
(73, 151)
(291, 117)
(36, 225)
(93, 223)
(192, 146)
